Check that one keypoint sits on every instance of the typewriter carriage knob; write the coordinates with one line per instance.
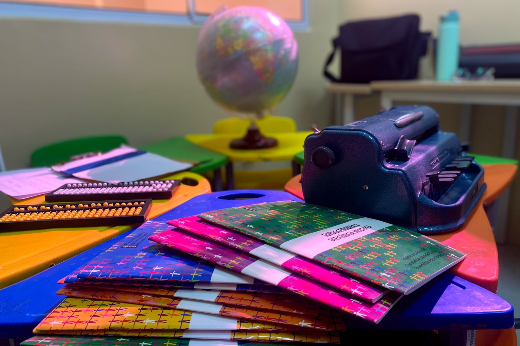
(323, 157)
(403, 150)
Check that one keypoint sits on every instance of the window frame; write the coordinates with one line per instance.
(301, 25)
(15, 10)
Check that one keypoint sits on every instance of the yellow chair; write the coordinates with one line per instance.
(255, 179)
(268, 125)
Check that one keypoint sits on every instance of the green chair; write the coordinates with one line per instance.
(297, 163)
(179, 148)
(62, 151)
(490, 160)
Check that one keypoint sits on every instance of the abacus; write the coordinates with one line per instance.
(106, 213)
(155, 189)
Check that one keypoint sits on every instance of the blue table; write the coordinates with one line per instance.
(448, 303)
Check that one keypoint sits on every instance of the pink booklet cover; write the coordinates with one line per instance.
(285, 259)
(275, 275)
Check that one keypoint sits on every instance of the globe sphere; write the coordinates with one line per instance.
(247, 58)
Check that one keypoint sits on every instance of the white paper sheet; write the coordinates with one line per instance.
(112, 153)
(138, 167)
(26, 183)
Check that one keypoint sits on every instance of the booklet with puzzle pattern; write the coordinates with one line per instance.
(115, 341)
(275, 302)
(376, 251)
(276, 275)
(315, 337)
(307, 321)
(135, 257)
(285, 259)
(260, 288)
(87, 314)
(40, 340)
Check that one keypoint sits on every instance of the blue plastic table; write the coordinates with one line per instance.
(448, 303)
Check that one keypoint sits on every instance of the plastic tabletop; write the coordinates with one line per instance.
(475, 237)
(179, 148)
(25, 253)
(446, 303)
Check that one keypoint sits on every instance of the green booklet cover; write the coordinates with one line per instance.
(373, 250)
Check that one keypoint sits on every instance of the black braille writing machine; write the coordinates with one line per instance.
(396, 166)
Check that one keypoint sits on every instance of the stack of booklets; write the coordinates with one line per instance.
(273, 272)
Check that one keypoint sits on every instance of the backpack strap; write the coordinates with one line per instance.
(326, 73)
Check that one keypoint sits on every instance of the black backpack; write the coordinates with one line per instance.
(381, 49)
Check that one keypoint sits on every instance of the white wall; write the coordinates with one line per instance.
(62, 79)
(482, 21)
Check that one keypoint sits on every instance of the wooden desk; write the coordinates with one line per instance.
(467, 93)
(505, 92)
(345, 100)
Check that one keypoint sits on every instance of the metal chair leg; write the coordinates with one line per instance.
(217, 180)
(230, 176)
(295, 168)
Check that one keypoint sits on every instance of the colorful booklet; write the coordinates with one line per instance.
(135, 257)
(376, 251)
(287, 260)
(260, 288)
(306, 321)
(317, 337)
(275, 302)
(87, 314)
(118, 341)
(115, 341)
(275, 275)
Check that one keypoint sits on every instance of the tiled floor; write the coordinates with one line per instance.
(509, 277)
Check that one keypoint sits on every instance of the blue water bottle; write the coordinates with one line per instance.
(447, 60)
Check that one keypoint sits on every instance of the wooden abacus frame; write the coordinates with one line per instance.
(86, 214)
(154, 189)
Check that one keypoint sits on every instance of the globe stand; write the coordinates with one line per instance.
(253, 140)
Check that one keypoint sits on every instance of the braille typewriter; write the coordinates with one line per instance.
(395, 166)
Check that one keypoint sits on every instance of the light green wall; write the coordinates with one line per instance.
(62, 79)
(481, 21)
